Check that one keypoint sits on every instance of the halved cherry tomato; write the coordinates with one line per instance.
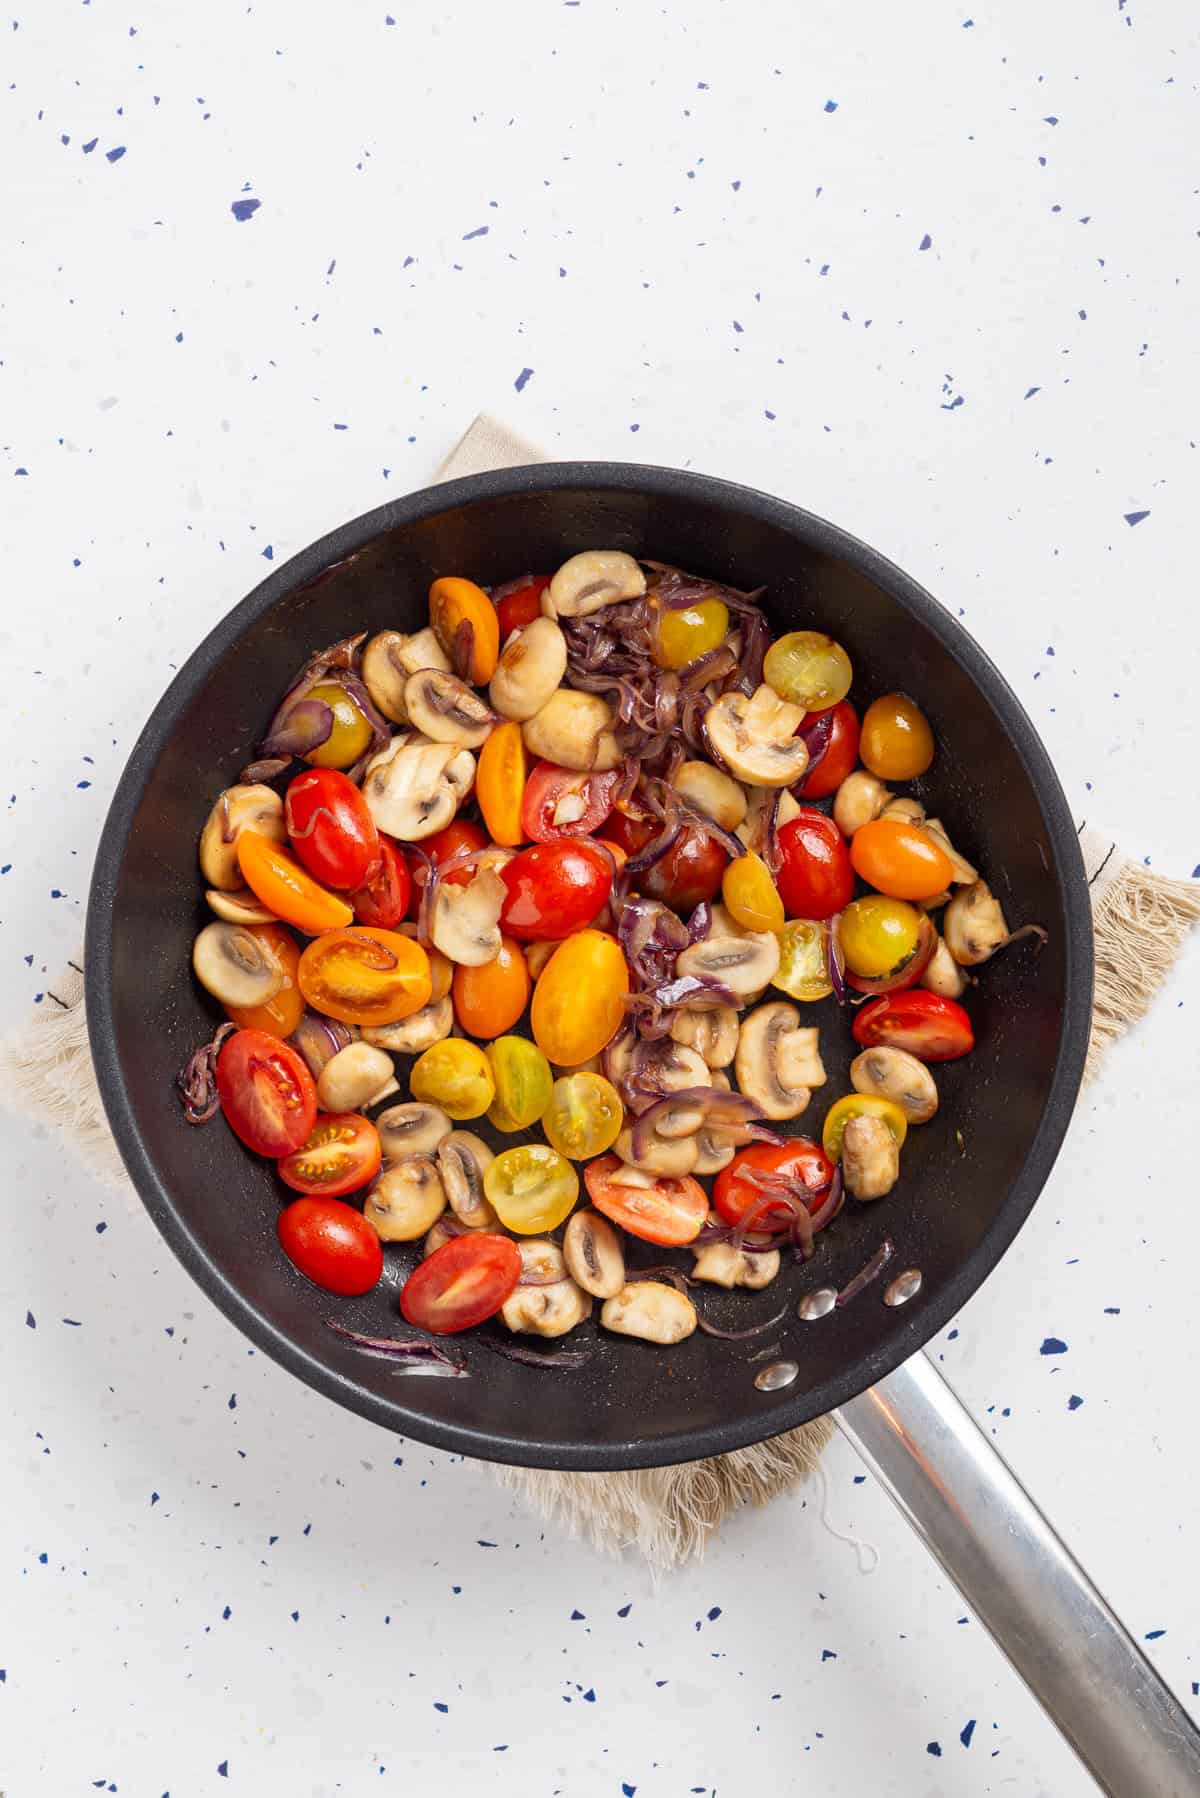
(440, 847)
(559, 803)
(928, 1026)
(275, 876)
(899, 858)
(584, 1116)
(489, 1000)
(362, 976)
(859, 1105)
(465, 624)
(751, 896)
(332, 1245)
(462, 1283)
(518, 603)
(840, 755)
(579, 1000)
(553, 889)
(267, 1093)
(382, 899)
(330, 828)
(658, 1208)
(800, 1159)
(342, 1153)
(686, 876)
(531, 1188)
(816, 877)
(500, 784)
(280, 1014)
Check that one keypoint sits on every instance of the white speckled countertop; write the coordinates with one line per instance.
(932, 275)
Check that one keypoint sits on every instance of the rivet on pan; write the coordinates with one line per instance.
(904, 1287)
(818, 1303)
(779, 1373)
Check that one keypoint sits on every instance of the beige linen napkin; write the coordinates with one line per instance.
(668, 1514)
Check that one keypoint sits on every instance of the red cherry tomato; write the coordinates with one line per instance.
(340, 1155)
(800, 1159)
(382, 899)
(462, 1283)
(670, 1211)
(330, 828)
(928, 1026)
(554, 889)
(816, 876)
(687, 875)
(558, 803)
(331, 1244)
(266, 1092)
(443, 844)
(518, 603)
(840, 755)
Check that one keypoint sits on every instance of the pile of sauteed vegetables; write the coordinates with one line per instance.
(563, 853)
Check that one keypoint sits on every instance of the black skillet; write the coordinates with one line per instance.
(969, 1179)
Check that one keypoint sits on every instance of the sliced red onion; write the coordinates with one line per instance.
(711, 1329)
(721, 1110)
(669, 1276)
(732, 845)
(294, 832)
(658, 846)
(515, 586)
(817, 734)
(462, 648)
(835, 961)
(694, 992)
(1026, 930)
(700, 922)
(831, 1204)
(531, 1357)
(772, 848)
(716, 665)
(197, 1080)
(415, 1354)
(865, 1275)
(266, 768)
(298, 727)
(531, 1279)
(909, 972)
(317, 1039)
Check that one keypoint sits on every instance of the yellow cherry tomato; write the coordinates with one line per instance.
(900, 859)
(683, 636)
(585, 1116)
(351, 733)
(803, 971)
(579, 1000)
(877, 934)
(532, 1188)
(858, 1105)
(750, 895)
(896, 742)
(523, 1083)
(500, 778)
(808, 668)
(455, 1075)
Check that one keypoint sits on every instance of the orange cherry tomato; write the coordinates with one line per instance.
(896, 741)
(362, 976)
(579, 1000)
(275, 876)
(900, 859)
(489, 1000)
(280, 1015)
(465, 624)
(500, 778)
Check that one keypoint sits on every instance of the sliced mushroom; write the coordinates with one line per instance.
(896, 1075)
(413, 787)
(756, 737)
(239, 808)
(357, 1077)
(752, 829)
(385, 676)
(965, 874)
(618, 1058)
(723, 1265)
(573, 730)
(464, 1158)
(466, 919)
(551, 1304)
(593, 1254)
(714, 1150)
(778, 1060)
(744, 964)
(446, 710)
(239, 907)
(908, 811)
(974, 926)
(593, 579)
(674, 1156)
(446, 1227)
(417, 1032)
(712, 1034)
(406, 1200)
(676, 1067)
(235, 966)
(422, 650)
(943, 975)
(530, 669)
(715, 794)
(651, 1311)
(411, 1129)
(870, 1158)
(859, 800)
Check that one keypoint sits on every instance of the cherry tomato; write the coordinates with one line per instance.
(559, 803)
(579, 1000)
(858, 1105)
(462, 1283)
(553, 889)
(523, 1083)
(331, 1244)
(809, 669)
(531, 1188)
(489, 1000)
(519, 604)
(803, 971)
(440, 847)
(365, 976)
(341, 1154)
(455, 1075)
(465, 624)
(500, 784)
(816, 877)
(877, 934)
(896, 743)
(351, 735)
(382, 899)
(899, 858)
(267, 1093)
(683, 636)
(799, 1159)
(330, 828)
(280, 1014)
(751, 896)
(584, 1116)
(275, 876)
(656, 1207)
(687, 875)
(928, 1026)
(841, 752)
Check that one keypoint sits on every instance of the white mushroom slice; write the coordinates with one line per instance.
(443, 1230)
(715, 794)
(235, 966)
(712, 1034)
(545, 1309)
(896, 1075)
(756, 737)
(422, 650)
(411, 1129)
(573, 730)
(536, 957)
(753, 827)
(908, 811)
(463, 1159)
(239, 808)
(974, 927)
(406, 1200)
(676, 1067)
(673, 1156)
(531, 667)
(356, 1078)
(778, 1060)
(466, 919)
(239, 907)
(943, 975)
(965, 874)
(618, 1059)
(651, 1311)
(417, 1032)
(592, 580)
(446, 710)
(744, 964)
(714, 1150)
(870, 1158)
(593, 1255)
(723, 1265)
(409, 789)
(859, 800)
(385, 676)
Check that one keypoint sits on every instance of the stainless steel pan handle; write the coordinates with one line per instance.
(1022, 1582)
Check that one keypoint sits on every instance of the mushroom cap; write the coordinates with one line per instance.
(756, 737)
(463, 1159)
(465, 924)
(531, 667)
(241, 807)
(593, 1254)
(870, 1158)
(385, 676)
(778, 1061)
(651, 1311)
(712, 792)
(859, 800)
(446, 710)
(414, 787)
(552, 1306)
(358, 1076)
(573, 730)
(943, 974)
(965, 873)
(417, 1032)
(664, 1155)
(592, 580)
(744, 963)
(235, 966)
(406, 1200)
(723, 1265)
(713, 1034)
(239, 907)
(411, 1129)
(896, 1075)
(973, 925)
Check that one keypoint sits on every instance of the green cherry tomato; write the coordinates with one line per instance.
(523, 1083)
(584, 1117)
(808, 668)
(877, 934)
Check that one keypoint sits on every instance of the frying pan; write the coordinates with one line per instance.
(969, 1180)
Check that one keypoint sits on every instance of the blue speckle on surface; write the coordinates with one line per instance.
(30, 1321)
(934, 1748)
(1053, 1345)
(479, 231)
(624, 1610)
(831, 105)
(627, 1790)
(589, 1696)
(523, 379)
(115, 155)
(90, 146)
(1152, 1635)
(233, 1401)
(244, 209)
(578, 1617)
(223, 1769)
(828, 1654)
(269, 553)
(1074, 1402)
(1132, 518)
(1029, 393)
(966, 1732)
(439, 1706)
(926, 242)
